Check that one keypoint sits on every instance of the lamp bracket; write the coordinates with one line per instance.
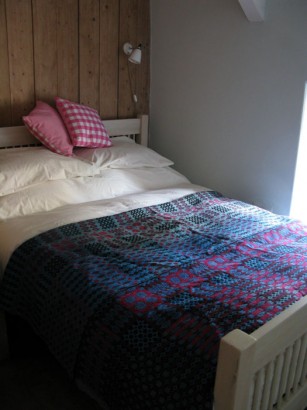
(127, 47)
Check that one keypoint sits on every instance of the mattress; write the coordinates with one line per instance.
(134, 304)
(132, 275)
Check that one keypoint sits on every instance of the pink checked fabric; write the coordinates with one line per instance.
(83, 123)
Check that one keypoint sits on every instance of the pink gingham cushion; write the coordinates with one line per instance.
(47, 126)
(83, 123)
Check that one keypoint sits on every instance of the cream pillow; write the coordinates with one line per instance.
(22, 167)
(124, 153)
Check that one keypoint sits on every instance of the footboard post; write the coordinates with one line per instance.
(4, 346)
(233, 379)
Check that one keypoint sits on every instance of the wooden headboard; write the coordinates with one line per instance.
(84, 61)
(19, 136)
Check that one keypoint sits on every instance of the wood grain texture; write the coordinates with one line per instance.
(45, 49)
(127, 33)
(89, 52)
(109, 21)
(73, 49)
(143, 74)
(5, 95)
(134, 78)
(68, 49)
(20, 47)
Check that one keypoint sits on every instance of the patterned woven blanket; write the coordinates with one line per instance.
(134, 305)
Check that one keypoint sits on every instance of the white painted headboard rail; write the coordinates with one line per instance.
(19, 135)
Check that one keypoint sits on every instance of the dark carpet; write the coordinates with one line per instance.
(33, 380)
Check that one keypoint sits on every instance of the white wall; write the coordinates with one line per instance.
(227, 95)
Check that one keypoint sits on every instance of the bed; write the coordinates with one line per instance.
(152, 292)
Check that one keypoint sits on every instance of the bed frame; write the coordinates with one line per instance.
(19, 136)
(266, 370)
(137, 128)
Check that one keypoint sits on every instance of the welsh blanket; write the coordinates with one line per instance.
(134, 305)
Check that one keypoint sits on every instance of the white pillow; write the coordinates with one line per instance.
(111, 183)
(124, 153)
(22, 167)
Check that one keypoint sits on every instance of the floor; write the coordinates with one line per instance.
(33, 380)
(39, 384)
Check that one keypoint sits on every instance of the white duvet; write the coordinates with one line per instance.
(44, 206)
(110, 183)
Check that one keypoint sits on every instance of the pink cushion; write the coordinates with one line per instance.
(47, 126)
(83, 123)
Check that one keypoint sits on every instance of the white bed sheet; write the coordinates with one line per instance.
(68, 201)
(110, 183)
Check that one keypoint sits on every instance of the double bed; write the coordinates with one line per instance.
(152, 292)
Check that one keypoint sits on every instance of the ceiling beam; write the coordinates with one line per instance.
(253, 9)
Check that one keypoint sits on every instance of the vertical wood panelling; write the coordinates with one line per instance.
(45, 49)
(5, 96)
(109, 20)
(68, 49)
(127, 33)
(89, 52)
(143, 75)
(20, 44)
(73, 49)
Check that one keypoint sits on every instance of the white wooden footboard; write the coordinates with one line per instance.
(266, 370)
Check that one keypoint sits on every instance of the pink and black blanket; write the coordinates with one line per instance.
(134, 305)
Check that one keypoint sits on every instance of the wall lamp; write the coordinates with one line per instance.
(134, 53)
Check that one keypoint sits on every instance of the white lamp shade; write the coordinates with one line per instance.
(136, 56)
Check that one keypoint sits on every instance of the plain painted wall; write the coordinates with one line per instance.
(227, 95)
